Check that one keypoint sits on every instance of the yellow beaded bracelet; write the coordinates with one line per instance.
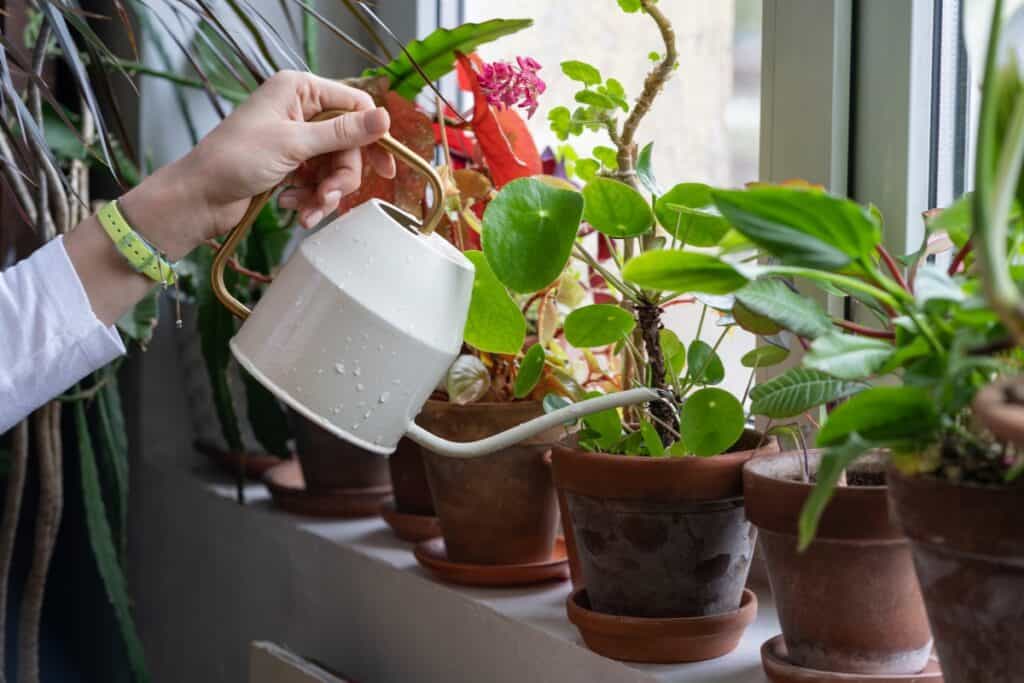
(142, 256)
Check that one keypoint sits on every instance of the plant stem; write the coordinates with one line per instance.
(627, 290)
(310, 30)
(961, 254)
(891, 266)
(835, 278)
(12, 510)
(234, 96)
(649, 318)
(864, 331)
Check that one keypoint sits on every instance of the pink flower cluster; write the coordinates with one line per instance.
(512, 85)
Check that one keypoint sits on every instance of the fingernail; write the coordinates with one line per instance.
(377, 121)
(332, 198)
(314, 217)
(287, 201)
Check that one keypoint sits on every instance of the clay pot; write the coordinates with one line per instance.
(968, 544)
(409, 480)
(850, 602)
(330, 463)
(659, 537)
(499, 508)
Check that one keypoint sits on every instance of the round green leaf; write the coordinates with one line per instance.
(529, 371)
(752, 322)
(615, 209)
(711, 420)
(688, 212)
(494, 323)
(673, 351)
(705, 365)
(682, 271)
(597, 325)
(607, 425)
(764, 356)
(528, 232)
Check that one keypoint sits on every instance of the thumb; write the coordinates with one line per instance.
(353, 129)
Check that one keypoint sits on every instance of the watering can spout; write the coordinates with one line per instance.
(510, 437)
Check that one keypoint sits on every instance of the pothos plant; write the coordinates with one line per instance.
(535, 228)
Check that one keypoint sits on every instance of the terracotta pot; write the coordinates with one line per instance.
(968, 544)
(849, 603)
(330, 463)
(409, 480)
(659, 537)
(499, 508)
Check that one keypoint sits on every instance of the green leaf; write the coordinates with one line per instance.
(435, 54)
(529, 371)
(113, 454)
(833, 462)
(597, 325)
(682, 271)
(266, 417)
(954, 220)
(710, 421)
(934, 284)
(673, 351)
(101, 538)
(616, 209)
(595, 99)
(885, 415)
(138, 323)
(607, 156)
(606, 424)
(802, 227)
(630, 6)
(581, 71)
(705, 366)
(528, 232)
(562, 124)
(764, 356)
(652, 442)
(847, 356)
(796, 391)
(754, 322)
(688, 212)
(614, 88)
(645, 169)
(774, 300)
(495, 323)
(587, 169)
(553, 402)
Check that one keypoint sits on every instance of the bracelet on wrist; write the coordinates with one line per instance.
(137, 251)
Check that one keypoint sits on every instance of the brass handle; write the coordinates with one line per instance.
(238, 233)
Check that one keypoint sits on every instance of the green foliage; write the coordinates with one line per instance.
(764, 356)
(774, 300)
(529, 371)
(687, 211)
(673, 351)
(705, 365)
(645, 169)
(630, 6)
(896, 416)
(848, 356)
(435, 54)
(602, 431)
(582, 72)
(597, 325)
(495, 323)
(615, 209)
(528, 232)
(652, 442)
(671, 270)
(833, 462)
(754, 322)
(710, 421)
(796, 391)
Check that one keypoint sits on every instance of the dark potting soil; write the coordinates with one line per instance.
(981, 462)
(856, 479)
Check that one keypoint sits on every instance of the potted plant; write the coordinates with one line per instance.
(653, 505)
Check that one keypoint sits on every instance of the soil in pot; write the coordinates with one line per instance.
(968, 546)
(850, 602)
(659, 537)
(332, 464)
(499, 508)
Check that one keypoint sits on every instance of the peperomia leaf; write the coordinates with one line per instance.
(468, 380)
(581, 72)
(885, 415)
(847, 356)
(687, 211)
(673, 351)
(833, 462)
(802, 227)
(494, 323)
(645, 169)
(597, 325)
(652, 442)
(774, 300)
(615, 209)
(606, 425)
(710, 421)
(764, 356)
(796, 391)
(528, 232)
(705, 366)
(754, 322)
(529, 371)
(682, 271)
(435, 54)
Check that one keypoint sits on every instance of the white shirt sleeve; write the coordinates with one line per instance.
(49, 336)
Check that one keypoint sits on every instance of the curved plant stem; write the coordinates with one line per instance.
(864, 331)
(627, 290)
(44, 222)
(9, 530)
(961, 254)
(846, 281)
(892, 267)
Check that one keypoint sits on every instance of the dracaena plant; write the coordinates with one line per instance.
(938, 333)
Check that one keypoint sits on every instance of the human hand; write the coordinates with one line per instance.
(265, 141)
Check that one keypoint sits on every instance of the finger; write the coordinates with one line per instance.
(355, 129)
(344, 176)
(325, 94)
(298, 198)
(381, 161)
(310, 218)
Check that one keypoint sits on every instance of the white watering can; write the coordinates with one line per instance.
(365, 319)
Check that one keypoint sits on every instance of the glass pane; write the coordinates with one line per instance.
(705, 123)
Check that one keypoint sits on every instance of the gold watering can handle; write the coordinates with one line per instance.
(238, 233)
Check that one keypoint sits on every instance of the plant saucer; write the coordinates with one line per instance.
(781, 670)
(410, 527)
(288, 491)
(432, 555)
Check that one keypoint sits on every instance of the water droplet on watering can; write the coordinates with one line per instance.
(319, 371)
(384, 397)
(367, 414)
(360, 387)
(357, 371)
(396, 382)
(355, 426)
(380, 347)
(335, 410)
(339, 368)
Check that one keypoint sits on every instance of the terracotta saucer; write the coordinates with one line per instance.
(779, 670)
(660, 640)
(288, 491)
(431, 554)
(256, 464)
(412, 528)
